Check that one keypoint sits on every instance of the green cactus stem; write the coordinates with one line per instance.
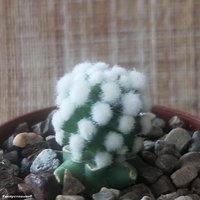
(113, 176)
(98, 116)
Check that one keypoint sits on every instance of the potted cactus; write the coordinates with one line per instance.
(101, 116)
(100, 111)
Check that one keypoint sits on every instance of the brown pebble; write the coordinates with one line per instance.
(71, 185)
(191, 158)
(183, 176)
(24, 188)
(25, 138)
(179, 137)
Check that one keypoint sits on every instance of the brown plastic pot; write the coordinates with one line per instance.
(6, 129)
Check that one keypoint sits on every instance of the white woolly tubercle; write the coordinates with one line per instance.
(57, 120)
(81, 68)
(96, 78)
(60, 98)
(126, 124)
(131, 104)
(63, 87)
(76, 145)
(101, 113)
(79, 92)
(59, 136)
(110, 92)
(113, 141)
(86, 129)
(110, 76)
(97, 67)
(119, 70)
(103, 159)
(66, 109)
(125, 82)
(138, 80)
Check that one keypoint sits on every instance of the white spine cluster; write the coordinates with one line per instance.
(119, 88)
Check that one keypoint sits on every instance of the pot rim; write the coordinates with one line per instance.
(6, 129)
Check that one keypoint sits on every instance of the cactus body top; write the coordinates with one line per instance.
(99, 112)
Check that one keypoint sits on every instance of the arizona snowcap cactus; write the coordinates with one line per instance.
(99, 113)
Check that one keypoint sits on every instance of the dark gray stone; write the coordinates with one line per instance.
(24, 188)
(149, 174)
(175, 122)
(195, 144)
(115, 192)
(183, 198)
(25, 166)
(169, 196)
(148, 157)
(194, 196)
(158, 122)
(15, 169)
(155, 132)
(22, 127)
(167, 163)
(137, 192)
(70, 197)
(7, 176)
(34, 148)
(148, 145)
(164, 147)
(146, 198)
(195, 186)
(162, 186)
(44, 185)
(104, 195)
(52, 144)
(9, 191)
(45, 127)
(12, 156)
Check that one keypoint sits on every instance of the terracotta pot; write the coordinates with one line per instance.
(6, 129)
